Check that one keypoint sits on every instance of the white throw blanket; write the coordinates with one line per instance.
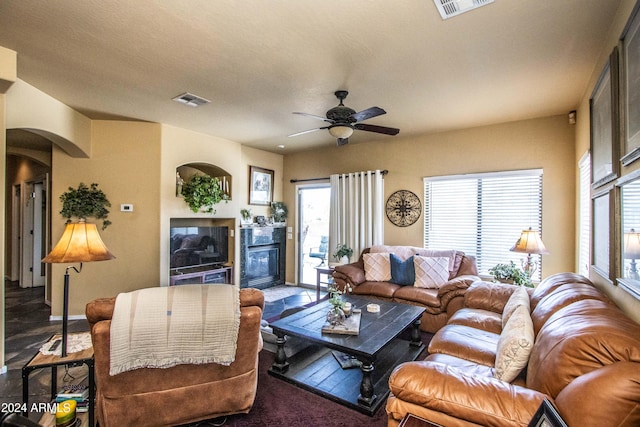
(167, 326)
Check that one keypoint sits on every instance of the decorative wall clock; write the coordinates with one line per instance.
(403, 208)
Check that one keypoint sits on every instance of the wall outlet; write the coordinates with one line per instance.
(126, 207)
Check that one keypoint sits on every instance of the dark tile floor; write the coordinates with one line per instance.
(27, 327)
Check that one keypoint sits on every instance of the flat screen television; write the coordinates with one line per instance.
(194, 246)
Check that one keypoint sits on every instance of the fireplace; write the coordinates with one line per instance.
(262, 257)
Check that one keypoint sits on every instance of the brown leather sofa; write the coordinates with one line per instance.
(440, 303)
(181, 394)
(585, 359)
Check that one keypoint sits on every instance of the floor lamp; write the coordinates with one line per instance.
(632, 252)
(80, 242)
(529, 243)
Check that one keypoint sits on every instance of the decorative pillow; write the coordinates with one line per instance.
(519, 297)
(402, 272)
(430, 272)
(514, 345)
(377, 267)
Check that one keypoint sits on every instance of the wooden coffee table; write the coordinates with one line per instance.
(378, 347)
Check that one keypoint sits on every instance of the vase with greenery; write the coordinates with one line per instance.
(203, 192)
(511, 273)
(336, 315)
(85, 202)
(279, 211)
(341, 252)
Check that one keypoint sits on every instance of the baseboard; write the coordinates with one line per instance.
(74, 317)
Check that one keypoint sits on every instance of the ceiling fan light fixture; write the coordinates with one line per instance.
(341, 131)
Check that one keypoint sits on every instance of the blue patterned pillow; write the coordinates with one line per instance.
(402, 272)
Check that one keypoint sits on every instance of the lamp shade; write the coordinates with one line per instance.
(530, 243)
(341, 131)
(80, 242)
(632, 245)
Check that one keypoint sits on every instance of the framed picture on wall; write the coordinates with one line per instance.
(604, 124)
(631, 87)
(260, 186)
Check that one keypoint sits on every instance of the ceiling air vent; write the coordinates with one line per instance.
(191, 100)
(451, 8)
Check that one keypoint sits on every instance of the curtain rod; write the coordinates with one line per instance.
(384, 172)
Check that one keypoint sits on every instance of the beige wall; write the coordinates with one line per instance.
(622, 298)
(546, 143)
(8, 75)
(180, 147)
(125, 164)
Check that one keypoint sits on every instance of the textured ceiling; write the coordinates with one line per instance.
(258, 61)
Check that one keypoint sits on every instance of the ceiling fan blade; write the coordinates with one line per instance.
(324, 119)
(342, 141)
(377, 129)
(368, 113)
(307, 131)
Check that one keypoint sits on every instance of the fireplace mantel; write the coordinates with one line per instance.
(262, 256)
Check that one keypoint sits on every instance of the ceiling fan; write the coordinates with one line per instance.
(344, 120)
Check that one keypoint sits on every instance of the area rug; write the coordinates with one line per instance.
(279, 292)
(282, 404)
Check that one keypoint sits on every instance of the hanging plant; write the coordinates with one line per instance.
(203, 191)
(279, 211)
(85, 202)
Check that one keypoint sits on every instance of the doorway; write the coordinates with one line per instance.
(34, 233)
(313, 239)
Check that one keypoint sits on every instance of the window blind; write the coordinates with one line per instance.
(483, 214)
(584, 227)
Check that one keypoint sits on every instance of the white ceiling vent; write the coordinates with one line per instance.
(451, 8)
(191, 100)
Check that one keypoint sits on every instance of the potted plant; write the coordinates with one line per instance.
(203, 191)
(246, 216)
(510, 273)
(85, 202)
(279, 211)
(343, 253)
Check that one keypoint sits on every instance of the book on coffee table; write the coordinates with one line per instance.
(351, 325)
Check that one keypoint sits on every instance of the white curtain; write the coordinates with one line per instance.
(357, 211)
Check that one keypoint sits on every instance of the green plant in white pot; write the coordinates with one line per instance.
(343, 253)
(510, 273)
(203, 192)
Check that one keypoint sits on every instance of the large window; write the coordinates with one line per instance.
(483, 214)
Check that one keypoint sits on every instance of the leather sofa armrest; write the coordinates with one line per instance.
(475, 399)
(100, 309)
(456, 287)
(250, 296)
(352, 274)
(488, 296)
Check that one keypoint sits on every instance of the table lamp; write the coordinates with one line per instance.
(80, 242)
(632, 252)
(529, 243)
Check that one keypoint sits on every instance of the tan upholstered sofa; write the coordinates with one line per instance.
(584, 358)
(440, 303)
(181, 394)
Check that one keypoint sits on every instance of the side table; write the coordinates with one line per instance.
(41, 361)
(320, 270)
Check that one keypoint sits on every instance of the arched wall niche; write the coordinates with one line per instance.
(186, 171)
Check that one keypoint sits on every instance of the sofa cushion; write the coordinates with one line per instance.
(377, 267)
(580, 338)
(378, 289)
(402, 271)
(466, 343)
(423, 296)
(519, 298)
(404, 252)
(514, 345)
(430, 272)
(477, 318)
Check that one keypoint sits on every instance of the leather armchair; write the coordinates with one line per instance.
(181, 394)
